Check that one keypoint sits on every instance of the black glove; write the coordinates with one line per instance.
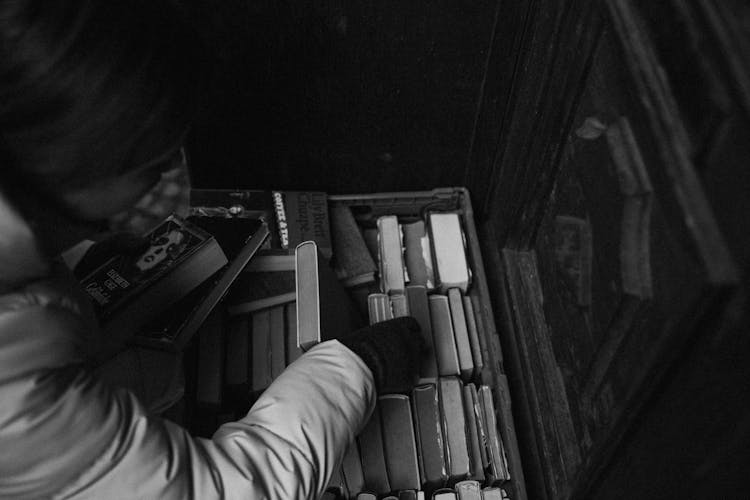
(391, 350)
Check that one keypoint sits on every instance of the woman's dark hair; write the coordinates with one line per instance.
(90, 89)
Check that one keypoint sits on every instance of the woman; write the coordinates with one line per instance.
(95, 98)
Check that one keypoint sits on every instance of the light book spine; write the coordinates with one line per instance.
(379, 308)
(498, 463)
(469, 490)
(451, 404)
(399, 306)
(461, 334)
(442, 333)
(390, 261)
(472, 434)
(451, 266)
(473, 328)
(277, 336)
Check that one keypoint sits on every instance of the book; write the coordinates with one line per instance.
(398, 442)
(130, 291)
(373, 456)
(449, 249)
(353, 263)
(418, 255)
(428, 428)
(260, 290)
(366, 496)
(475, 433)
(446, 353)
(472, 326)
(399, 306)
(324, 310)
(293, 216)
(261, 333)
(444, 495)
(379, 308)
(238, 351)
(277, 334)
(497, 470)
(452, 411)
(293, 350)
(390, 255)
(177, 326)
(494, 493)
(210, 361)
(461, 334)
(469, 490)
(408, 495)
(352, 469)
(419, 308)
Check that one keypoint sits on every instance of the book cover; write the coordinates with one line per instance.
(449, 249)
(174, 329)
(399, 306)
(419, 308)
(473, 328)
(238, 351)
(408, 495)
(452, 411)
(497, 471)
(390, 255)
(352, 261)
(261, 347)
(366, 496)
(373, 456)
(352, 469)
(428, 427)
(444, 495)
(399, 443)
(442, 333)
(476, 434)
(469, 490)
(418, 255)
(277, 335)
(293, 350)
(379, 308)
(324, 310)
(461, 334)
(210, 361)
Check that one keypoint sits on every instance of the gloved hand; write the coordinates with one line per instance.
(391, 350)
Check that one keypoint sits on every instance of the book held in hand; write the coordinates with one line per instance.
(130, 291)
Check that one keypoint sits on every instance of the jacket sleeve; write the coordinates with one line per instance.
(75, 437)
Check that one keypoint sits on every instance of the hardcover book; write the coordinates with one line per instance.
(324, 310)
(449, 248)
(373, 456)
(129, 292)
(418, 255)
(390, 255)
(444, 340)
(452, 409)
(398, 440)
(428, 426)
(461, 334)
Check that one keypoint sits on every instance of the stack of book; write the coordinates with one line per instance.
(444, 434)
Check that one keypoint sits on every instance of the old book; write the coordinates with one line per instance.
(210, 361)
(352, 261)
(428, 427)
(473, 328)
(260, 290)
(444, 494)
(390, 255)
(418, 255)
(293, 216)
(452, 410)
(324, 310)
(277, 335)
(293, 350)
(379, 308)
(177, 326)
(408, 495)
(419, 308)
(271, 263)
(399, 444)
(469, 490)
(399, 306)
(442, 334)
(449, 249)
(373, 456)
(461, 334)
(261, 334)
(238, 351)
(497, 470)
(494, 493)
(475, 433)
(366, 496)
(352, 469)
(130, 291)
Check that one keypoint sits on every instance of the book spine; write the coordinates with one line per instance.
(398, 442)
(473, 329)
(452, 408)
(444, 340)
(419, 308)
(379, 308)
(461, 334)
(373, 457)
(390, 255)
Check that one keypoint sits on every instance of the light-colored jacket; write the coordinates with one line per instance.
(66, 434)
